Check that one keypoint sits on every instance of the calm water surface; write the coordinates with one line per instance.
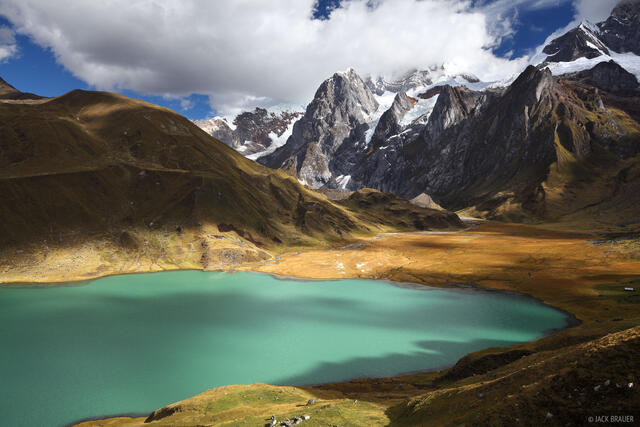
(134, 343)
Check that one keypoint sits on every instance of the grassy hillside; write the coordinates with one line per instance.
(96, 183)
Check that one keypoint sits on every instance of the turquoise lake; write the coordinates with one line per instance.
(134, 343)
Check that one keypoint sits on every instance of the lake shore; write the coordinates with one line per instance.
(562, 269)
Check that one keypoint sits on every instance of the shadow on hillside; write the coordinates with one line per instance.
(373, 374)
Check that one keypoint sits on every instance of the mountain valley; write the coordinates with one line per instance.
(524, 188)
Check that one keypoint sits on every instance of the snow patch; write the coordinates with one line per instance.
(589, 27)
(420, 112)
(385, 101)
(343, 181)
(628, 61)
(276, 142)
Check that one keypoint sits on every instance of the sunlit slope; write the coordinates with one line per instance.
(143, 179)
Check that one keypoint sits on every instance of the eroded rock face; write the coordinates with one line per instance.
(256, 130)
(335, 119)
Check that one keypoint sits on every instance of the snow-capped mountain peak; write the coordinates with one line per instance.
(617, 38)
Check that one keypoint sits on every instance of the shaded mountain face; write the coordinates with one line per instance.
(255, 133)
(581, 42)
(390, 123)
(621, 31)
(505, 152)
(526, 153)
(609, 76)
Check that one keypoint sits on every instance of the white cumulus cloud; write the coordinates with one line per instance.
(244, 53)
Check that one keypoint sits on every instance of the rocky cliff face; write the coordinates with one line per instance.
(390, 121)
(336, 120)
(621, 31)
(218, 128)
(470, 137)
(253, 132)
(581, 42)
(508, 152)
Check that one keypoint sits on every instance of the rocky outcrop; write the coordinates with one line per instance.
(389, 123)
(375, 206)
(335, 120)
(495, 149)
(423, 200)
(218, 128)
(253, 131)
(621, 31)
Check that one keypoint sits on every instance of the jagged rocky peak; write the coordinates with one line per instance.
(621, 31)
(532, 82)
(581, 42)
(252, 132)
(336, 118)
(409, 80)
(454, 104)
(390, 121)
(415, 79)
(348, 93)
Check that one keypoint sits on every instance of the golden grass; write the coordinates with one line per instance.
(498, 385)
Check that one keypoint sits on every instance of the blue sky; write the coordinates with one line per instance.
(36, 69)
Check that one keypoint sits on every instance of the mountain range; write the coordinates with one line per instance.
(530, 149)
(374, 180)
(123, 185)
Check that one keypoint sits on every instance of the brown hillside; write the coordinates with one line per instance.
(144, 182)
